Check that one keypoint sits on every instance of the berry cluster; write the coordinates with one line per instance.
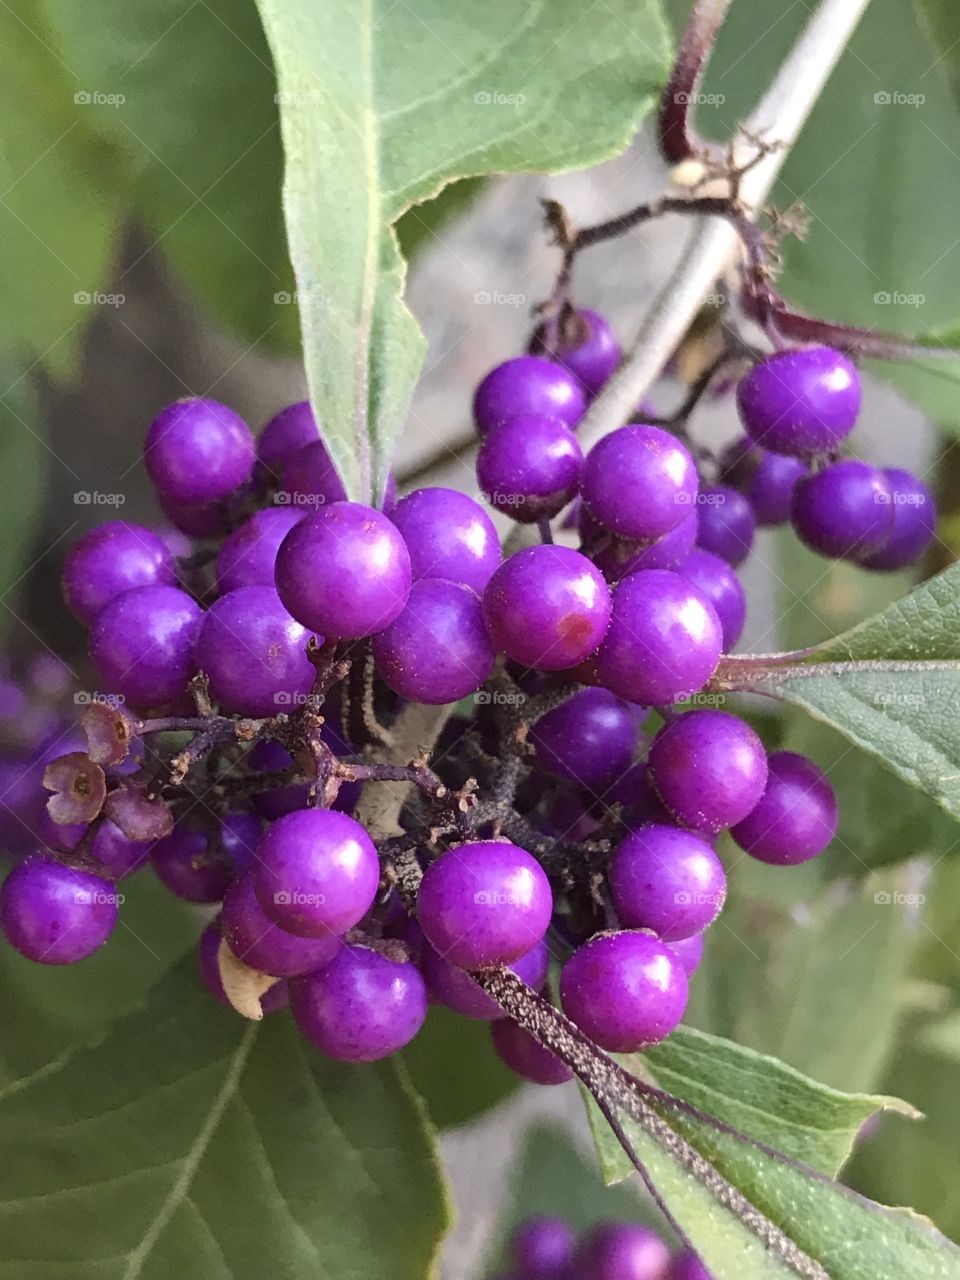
(546, 1248)
(245, 684)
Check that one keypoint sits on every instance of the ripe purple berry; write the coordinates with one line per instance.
(588, 348)
(484, 904)
(54, 914)
(846, 510)
(687, 1266)
(191, 865)
(448, 536)
(254, 653)
(664, 640)
(361, 1007)
(309, 478)
(709, 768)
(624, 990)
(208, 962)
(543, 1247)
(668, 880)
(689, 951)
(622, 1251)
(110, 559)
(263, 945)
(437, 649)
(198, 451)
(142, 644)
(725, 524)
(525, 1056)
(795, 818)
(344, 572)
(457, 990)
(639, 481)
(589, 739)
(802, 402)
(767, 480)
(285, 433)
(527, 385)
(914, 522)
(716, 580)
(529, 468)
(316, 873)
(248, 556)
(547, 607)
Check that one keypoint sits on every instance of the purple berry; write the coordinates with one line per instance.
(641, 804)
(802, 402)
(191, 866)
(547, 607)
(767, 480)
(111, 559)
(914, 523)
(527, 385)
(309, 478)
(667, 880)
(716, 580)
(254, 653)
(263, 945)
(588, 349)
(795, 818)
(285, 433)
(54, 914)
(589, 739)
(725, 524)
(687, 1266)
(529, 468)
(845, 510)
(525, 1056)
(198, 451)
(664, 639)
(202, 521)
(438, 649)
(240, 834)
(689, 951)
(639, 481)
(622, 1251)
(624, 990)
(484, 904)
(248, 557)
(448, 536)
(115, 853)
(457, 990)
(543, 1247)
(344, 572)
(208, 962)
(362, 1007)
(616, 558)
(143, 642)
(709, 768)
(317, 872)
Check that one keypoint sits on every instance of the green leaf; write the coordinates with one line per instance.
(191, 1143)
(756, 1094)
(381, 106)
(195, 144)
(454, 1069)
(23, 459)
(50, 164)
(851, 1238)
(424, 224)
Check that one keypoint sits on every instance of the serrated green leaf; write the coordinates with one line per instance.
(195, 145)
(191, 1143)
(381, 106)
